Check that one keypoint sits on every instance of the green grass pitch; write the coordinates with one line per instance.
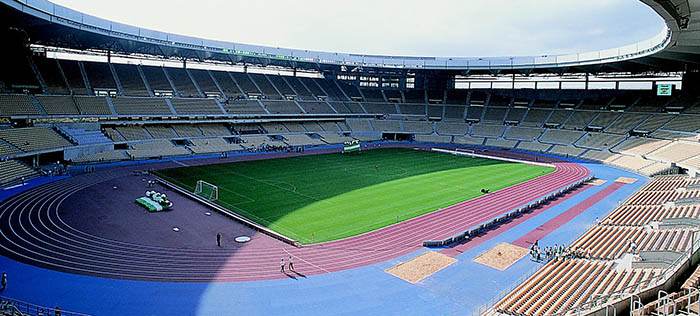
(327, 197)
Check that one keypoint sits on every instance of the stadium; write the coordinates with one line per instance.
(144, 172)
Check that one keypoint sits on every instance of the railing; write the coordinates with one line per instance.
(16, 306)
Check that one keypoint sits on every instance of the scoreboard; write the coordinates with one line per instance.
(664, 89)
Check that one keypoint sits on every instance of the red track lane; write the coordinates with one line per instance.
(33, 232)
(563, 218)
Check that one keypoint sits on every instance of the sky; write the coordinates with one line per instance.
(444, 28)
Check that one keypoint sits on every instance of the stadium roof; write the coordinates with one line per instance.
(675, 48)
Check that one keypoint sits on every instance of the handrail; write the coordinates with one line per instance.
(27, 308)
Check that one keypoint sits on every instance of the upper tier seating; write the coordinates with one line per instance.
(523, 133)
(245, 83)
(156, 79)
(265, 86)
(196, 106)
(74, 76)
(214, 130)
(282, 107)
(563, 137)
(100, 76)
(281, 84)
(536, 117)
(55, 83)
(626, 123)
(183, 83)
(387, 125)
(446, 128)
(484, 130)
(141, 106)
(244, 107)
(92, 105)
(17, 104)
(58, 105)
(228, 86)
(205, 82)
(301, 90)
(131, 80)
(599, 141)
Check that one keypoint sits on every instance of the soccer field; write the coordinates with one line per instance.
(326, 197)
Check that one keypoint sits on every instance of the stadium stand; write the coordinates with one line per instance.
(448, 128)
(212, 145)
(194, 106)
(141, 106)
(74, 77)
(34, 139)
(561, 137)
(52, 75)
(522, 133)
(131, 81)
(245, 83)
(205, 82)
(265, 86)
(602, 268)
(228, 86)
(286, 107)
(12, 170)
(159, 84)
(490, 131)
(17, 105)
(58, 105)
(100, 76)
(182, 81)
(156, 148)
(92, 105)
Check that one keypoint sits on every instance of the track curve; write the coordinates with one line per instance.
(32, 231)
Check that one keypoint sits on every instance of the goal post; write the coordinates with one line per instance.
(206, 190)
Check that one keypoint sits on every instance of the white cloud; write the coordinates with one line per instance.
(397, 27)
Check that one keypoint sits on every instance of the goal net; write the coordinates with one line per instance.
(207, 190)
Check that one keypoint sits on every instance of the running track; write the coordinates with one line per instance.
(33, 232)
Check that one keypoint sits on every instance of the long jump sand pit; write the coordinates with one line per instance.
(597, 182)
(421, 267)
(626, 180)
(502, 256)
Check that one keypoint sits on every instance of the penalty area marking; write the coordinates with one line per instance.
(421, 267)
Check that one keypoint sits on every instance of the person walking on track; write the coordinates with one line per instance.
(291, 264)
(218, 239)
(282, 265)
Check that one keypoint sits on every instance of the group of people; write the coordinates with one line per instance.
(557, 252)
(276, 148)
(289, 262)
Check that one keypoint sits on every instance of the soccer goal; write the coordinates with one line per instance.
(207, 190)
